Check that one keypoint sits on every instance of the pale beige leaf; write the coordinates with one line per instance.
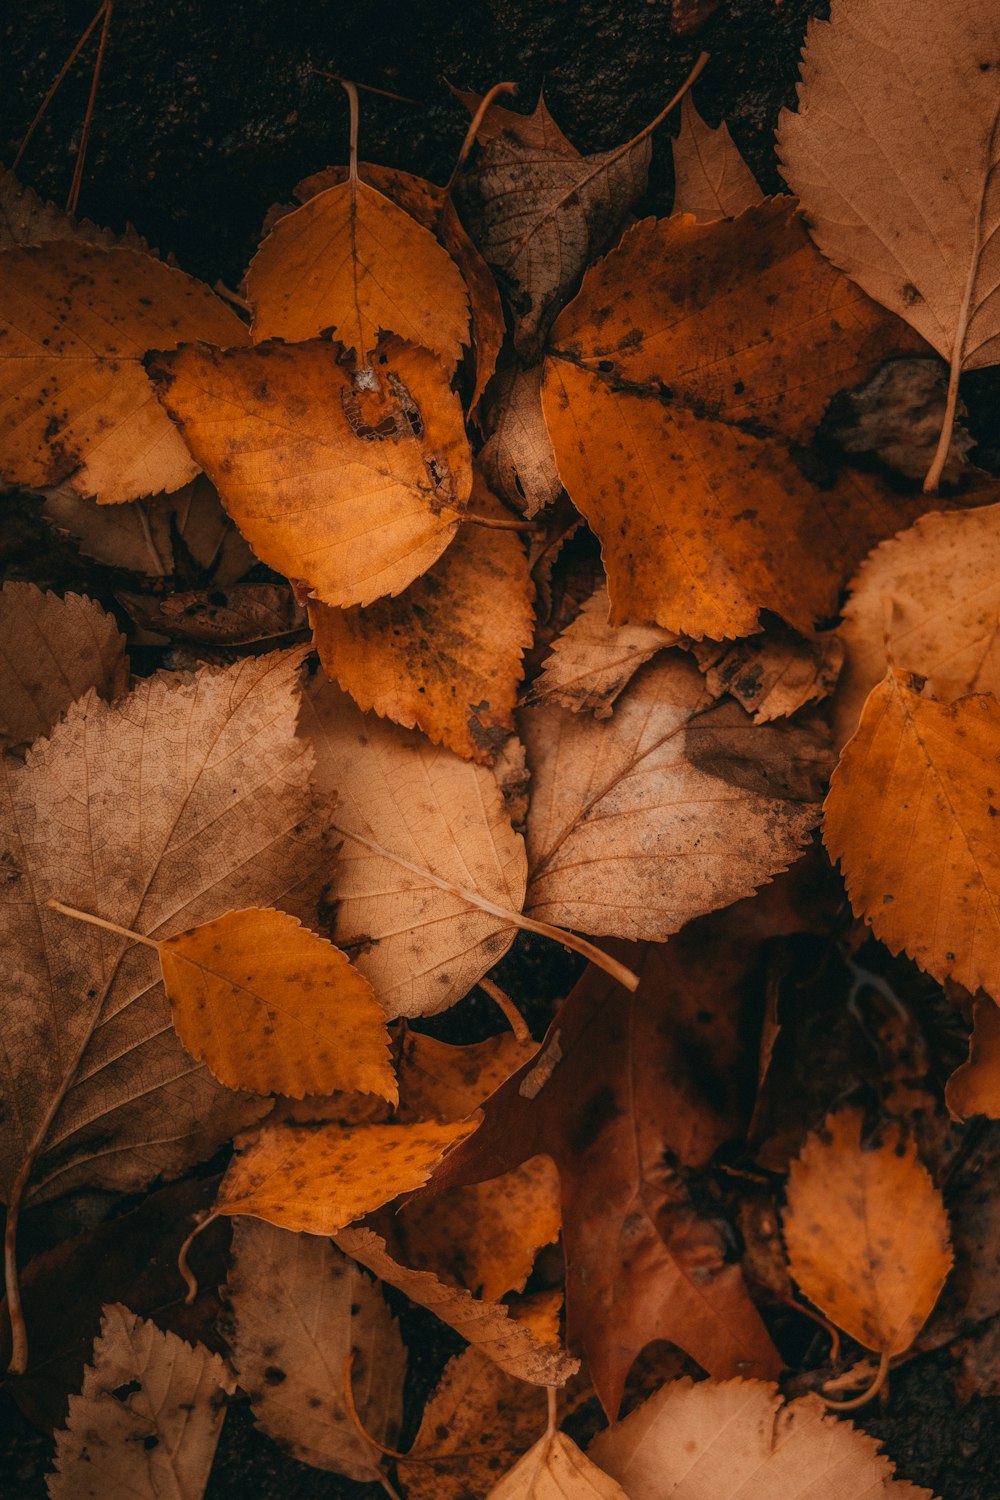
(517, 456)
(146, 1424)
(593, 661)
(555, 1469)
(421, 947)
(296, 1308)
(672, 808)
(771, 675)
(487, 1325)
(737, 1440)
(927, 601)
(75, 402)
(186, 798)
(52, 651)
(711, 179)
(894, 154)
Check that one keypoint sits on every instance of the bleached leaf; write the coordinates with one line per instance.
(711, 179)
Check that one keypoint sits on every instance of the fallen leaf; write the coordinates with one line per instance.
(438, 1081)
(593, 661)
(672, 808)
(351, 483)
(867, 1232)
(910, 816)
(896, 417)
(76, 402)
(273, 1008)
(319, 1179)
(27, 219)
(148, 1419)
(711, 179)
(771, 675)
(927, 601)
(243, 614)
(554, 1468)
(720, 1441)
(444, 657)
(517, 456)
(974, 1088)
(537, 131)
(487, 1325)
(297, 1310)
(916, 230)
(421, 947)
(52, 651)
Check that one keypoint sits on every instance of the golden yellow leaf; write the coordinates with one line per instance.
(75, 402)
(553, 1469)
(711, 179)
(974, 1088)
(274, 1008)
(351, 483)
(320, 1178)
(913, 816)
(867, 1232)
(593, 661)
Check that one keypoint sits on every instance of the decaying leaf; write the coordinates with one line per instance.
(438, 1081)
(867, 1232)
(711, 179)
(772, 675)
(445, 656)
(974, 1088)
(737, 1440)
(517, 456)
(422, 947)
(896, 417)
(297, 1309)
(273, 1008)
(593, 661)
(26, 219)
(488, 1325)
(911, 816)
(243, 614)
(927, 601)
(148, 1419)
(52, 651)
(918, 230)
(555, 1467)
(674, 807)
(76, 322)
(352, 483)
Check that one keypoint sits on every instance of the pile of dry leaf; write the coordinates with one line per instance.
(613, 574)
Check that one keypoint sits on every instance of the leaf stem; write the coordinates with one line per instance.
(943, 448)
(74, 193)
(86, 916)
(183, 1265)
(493, 523)
(369, 88)
(867, 1395)
(352, 95)
(473, 131)
(518, 1025)
(55, 86)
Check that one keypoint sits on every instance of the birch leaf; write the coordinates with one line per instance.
(711, 179)
(555, 1467)
(772, 675)
(592, 661)
(974, 1088)
(517, 456)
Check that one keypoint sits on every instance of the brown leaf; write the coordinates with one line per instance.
(352, 484)
(537, 131)
(26, 219)
(243, 614)
(438, 1081)
(913, 816)
(593, 661)
(517, 456)
(297, 1309)
(52, 651)
(672, 808)
(76, 402)
(444, 657)
(711, 179)
(555, 1467)
(867, 1232)
(896, 417)
(771, 675)
(974, 1088)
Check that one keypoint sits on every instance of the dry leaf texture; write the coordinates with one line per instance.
(771, 675)
(553, 1469)
(711, 179)
(244, 614)
(52, 651)
(592, 661)
(912, 817)
(517, 456)
(438, 1081)
(867, 1232)
(296, 1309)
(421, 947)
(974, 1088)
(353, 484)
(146, 1424)
(76, 321)
(181, 801)
(675, 807)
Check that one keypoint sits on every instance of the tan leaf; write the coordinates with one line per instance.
(537, 131)
(554, 1468)
(711, 179)
(737, 1440)
(974, 1088)
(51, 651)
(593, 661)
(273, 1008)
(517, 456)
(76, 403)
(353, 484)
(917, 231)
(26, 219)
(318, 1179)
(244, 614)
(911, 817)
(352, 262)
(297, 1309)
(146, 1424)
(444, 657)
(421, 947)
(771, 675)
(672, 808)
(927, 601)
(487, 1325)
(867, 1232)
(438, 1081)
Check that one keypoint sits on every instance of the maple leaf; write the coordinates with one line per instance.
(711, 179)
(517, 456)
(916, 230)
(76, 403)
(148, 1419)
(353, 483)
(296, 1311)
(593, 661)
